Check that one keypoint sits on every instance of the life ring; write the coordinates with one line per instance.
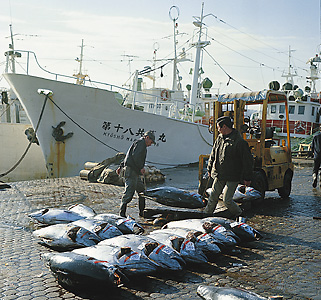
(164, 95)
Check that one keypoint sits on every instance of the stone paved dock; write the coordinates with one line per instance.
(286, 262)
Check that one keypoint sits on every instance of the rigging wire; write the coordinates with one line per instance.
(262, 42)
(255, 61)
(229, 76)
(246, 45)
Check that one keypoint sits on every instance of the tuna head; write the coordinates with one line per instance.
(106, 231)
(129, 225)
(191, 253)
(207, 242)
(164, 256)
(82, 236)
(223, 235)
(131, 262)
(245, 232)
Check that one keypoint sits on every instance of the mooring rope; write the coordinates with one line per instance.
(29, 145)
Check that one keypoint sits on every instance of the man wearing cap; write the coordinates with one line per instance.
(133, 164)
(230, 163)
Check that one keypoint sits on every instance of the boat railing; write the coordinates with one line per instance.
(32, 55)
(176, 108)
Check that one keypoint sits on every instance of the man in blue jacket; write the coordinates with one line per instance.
(230, 163)
(133, 164)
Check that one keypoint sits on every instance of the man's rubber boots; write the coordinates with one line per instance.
(141, 206)
(122, 211)
(315, 180)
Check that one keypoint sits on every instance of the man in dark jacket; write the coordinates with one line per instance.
(316, 150)
(133, 164)
(230, 163)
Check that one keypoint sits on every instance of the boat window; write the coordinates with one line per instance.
(313, 110)
(301, 110)
(151, 105)
(282, 109)
(291, 109)
(273, 109)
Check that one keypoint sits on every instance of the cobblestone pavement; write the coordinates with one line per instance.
(286, 262)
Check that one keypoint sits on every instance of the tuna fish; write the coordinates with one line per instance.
(52, 216)
(103, 229)
(83, 210)
(166, 257)
(221, 293)
(242, 192)
(128, 261)
(125, 225)
(224, 236)
(245, 232)
(204, 241)
(75, 269)
(187, 248)
(175, 197)
(66, 236)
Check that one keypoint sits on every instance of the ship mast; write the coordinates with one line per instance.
(11, 55)
(291, 73)
(174, 17)
(80, 76)
(314, 71)
(199, 45)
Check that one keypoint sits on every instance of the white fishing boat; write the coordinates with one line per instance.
(75, 123)
(304, 105)
(20, 159)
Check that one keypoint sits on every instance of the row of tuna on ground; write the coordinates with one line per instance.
(107, 248)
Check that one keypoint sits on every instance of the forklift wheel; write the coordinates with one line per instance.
(259, 183)
(285, 190)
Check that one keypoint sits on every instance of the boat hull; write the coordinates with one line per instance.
(96, 126)
(14, 143)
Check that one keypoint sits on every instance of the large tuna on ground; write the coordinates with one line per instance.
(76, 269)
(245, 232)
(185, 246)
(66, 237)
(83, 210)
(204, 241)
(224, 236)
(125, 225)
(166, 257)
(128, 261)
(175, 197)
(207, 292)
(101, 228)
(52, 216)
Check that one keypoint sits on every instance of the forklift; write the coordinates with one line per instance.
(273, 167)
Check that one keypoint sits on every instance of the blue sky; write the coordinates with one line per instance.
(249, 39)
